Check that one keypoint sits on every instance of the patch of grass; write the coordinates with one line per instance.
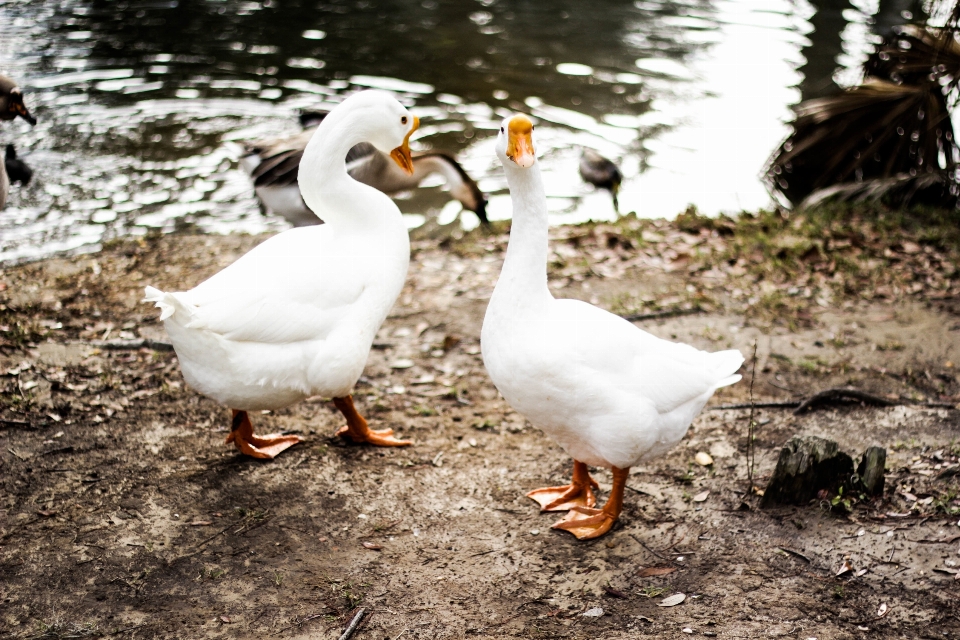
(652, 592)
(59, 629)
(424, 410)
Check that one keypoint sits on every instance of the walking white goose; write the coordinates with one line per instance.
(11, 106)
(609, 393)
(272, 165)
(295, 317)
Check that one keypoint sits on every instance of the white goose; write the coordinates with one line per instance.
(295, 317)
(609, 393)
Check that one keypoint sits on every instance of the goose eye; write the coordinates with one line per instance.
(501, 129)
(403, 120)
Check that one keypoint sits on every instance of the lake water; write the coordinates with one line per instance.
(142, 104)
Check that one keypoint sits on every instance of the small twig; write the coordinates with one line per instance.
(751, 426)
(649, 549)
(353, 624)
(116, 633)
(665, 313)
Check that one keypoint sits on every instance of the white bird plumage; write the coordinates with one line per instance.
(608, 392)
(296, 316)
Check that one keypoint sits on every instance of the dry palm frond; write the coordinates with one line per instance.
(877, 130)
(936, 189)
(916, 55)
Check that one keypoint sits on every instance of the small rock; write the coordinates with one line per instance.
(703, 459)
(401, 363)
(595, 612)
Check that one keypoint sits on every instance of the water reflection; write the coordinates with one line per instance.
(141, 102)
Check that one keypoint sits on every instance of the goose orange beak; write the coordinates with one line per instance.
(401, 155)
(520, 141)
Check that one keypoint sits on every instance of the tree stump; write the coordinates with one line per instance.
(807, 465)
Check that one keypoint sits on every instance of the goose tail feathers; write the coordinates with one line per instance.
(726, 364)
(166, 302)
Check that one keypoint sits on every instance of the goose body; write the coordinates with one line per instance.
(11, 106)
(608, 392)
(273, 167)
(296, 316)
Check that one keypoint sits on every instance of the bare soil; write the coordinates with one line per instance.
(123, 513)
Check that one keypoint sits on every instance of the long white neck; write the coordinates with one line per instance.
(524, 274)
(326, 187)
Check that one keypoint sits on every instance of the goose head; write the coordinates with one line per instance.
(386, 124)
(11, 101)
(515, 141)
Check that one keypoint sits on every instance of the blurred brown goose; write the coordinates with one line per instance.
(274, 164)
(11, 106)
(601, 173)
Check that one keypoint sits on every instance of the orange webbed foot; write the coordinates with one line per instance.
(579, 493)
(359, 432)
(586, 523)
(262, 447)
(380, 438)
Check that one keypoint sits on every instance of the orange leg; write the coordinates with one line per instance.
(579, 493)
(586, 523)
(265, 447)
(357, 429)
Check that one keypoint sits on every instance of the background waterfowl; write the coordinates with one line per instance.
(601, 173)
(273, 166)
(609, 393)
(295, 317)
(17, 170)
(11, 106)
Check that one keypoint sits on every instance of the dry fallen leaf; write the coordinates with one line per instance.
(201, 523)
(703, 459)
(845, 567)
(700, 497)
(660, 570)
(372, 545)
(672, 601)
(402, 363)
(596, 612)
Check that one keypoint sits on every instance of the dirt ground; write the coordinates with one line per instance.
(124, 514)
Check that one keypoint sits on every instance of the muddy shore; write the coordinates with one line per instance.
(123, 513)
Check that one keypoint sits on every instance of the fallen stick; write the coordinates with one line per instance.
(131, 345)
(353, 624)
(826, 397)
(666, 313)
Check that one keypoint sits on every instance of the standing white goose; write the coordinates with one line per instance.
(609, 393)
(295, 317)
